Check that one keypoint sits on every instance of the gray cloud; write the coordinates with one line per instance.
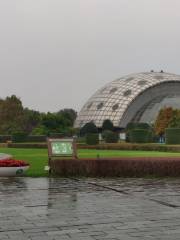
(56, 53)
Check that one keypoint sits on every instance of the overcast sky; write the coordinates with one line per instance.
(55, 54)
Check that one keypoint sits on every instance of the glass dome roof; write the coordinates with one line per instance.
(112, 100)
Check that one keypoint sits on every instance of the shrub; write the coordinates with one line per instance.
(137, 125)
(88, 128)
(92, 139)
(40, 130)
(27, 145)
(81, 140)
(110, 137)
(56, 135)
(36, 138)
(122, 167)
(19, 137)
(107, 125)
(133, 146)
(140, 136)
(5, 138)
(172, 135)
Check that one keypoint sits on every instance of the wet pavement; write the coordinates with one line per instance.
(90, 209)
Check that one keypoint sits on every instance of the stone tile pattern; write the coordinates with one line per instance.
(90, 209)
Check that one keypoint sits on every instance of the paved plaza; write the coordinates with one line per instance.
(89, 209)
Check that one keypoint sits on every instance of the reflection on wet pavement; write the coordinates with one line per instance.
(89, 209)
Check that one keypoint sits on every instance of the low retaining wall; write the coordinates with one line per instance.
(117, 167)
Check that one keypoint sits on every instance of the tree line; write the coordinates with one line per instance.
(15, 118)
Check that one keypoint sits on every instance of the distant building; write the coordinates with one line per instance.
(133, 98)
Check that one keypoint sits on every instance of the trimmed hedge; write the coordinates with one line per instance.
(36, 138)
(19, 137)
(89, 127)
(110, 137)
(56, 135)
(27, 145)
(133, 146)
(172, 135)
(140, 136)
(92, 139)
(122, 167)
(5, 138)
(138, 125)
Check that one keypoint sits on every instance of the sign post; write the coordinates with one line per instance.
(61, 148)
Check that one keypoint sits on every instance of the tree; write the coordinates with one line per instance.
(15, 118)
(89, 127)
(175, 120)
(31, 120)
(69, 114)
(163, 120)
(11, 115)
(110, 137)
(107, 125)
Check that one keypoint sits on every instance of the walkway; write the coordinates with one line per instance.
(91, 209)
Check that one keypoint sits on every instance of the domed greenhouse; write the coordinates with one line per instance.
(132, 98)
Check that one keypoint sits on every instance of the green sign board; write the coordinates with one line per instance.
(62, 148)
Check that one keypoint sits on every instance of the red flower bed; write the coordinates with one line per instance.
(12, 163)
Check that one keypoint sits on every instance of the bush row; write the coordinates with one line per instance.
(5, 138)
(124, 167)
(92, 139)
(112, 146)
(27, 145)
(21, 137)
(110, 136)
(140, 136)
(172, 135)
(133, 146)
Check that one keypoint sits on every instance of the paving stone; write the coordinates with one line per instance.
(65, 209)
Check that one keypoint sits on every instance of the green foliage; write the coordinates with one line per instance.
(107, 125)
(69, 114)
(56, 135)
(89, 127)
(40, 130)
(15, 118)
(110, 137)
(36, 138)
(172, 135)
(137, 125)
(140, 136)
(5, 138)
(92, 138)
(163, 120)
(32, 119)
(11, 115)
(175, 120)
(19, 137)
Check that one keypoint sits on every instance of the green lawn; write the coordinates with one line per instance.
(38, 158)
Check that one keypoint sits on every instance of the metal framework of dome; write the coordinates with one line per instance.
(136, 97)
